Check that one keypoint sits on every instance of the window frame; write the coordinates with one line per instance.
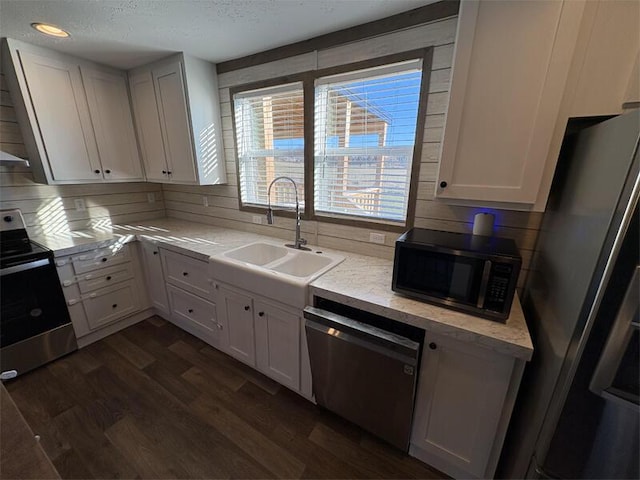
(308, 84)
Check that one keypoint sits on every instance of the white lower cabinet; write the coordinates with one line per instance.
(103, 289)
(154, 276)
(462, 393)
(261, 333)
(194, 314)
(277, 334)
(236, 318)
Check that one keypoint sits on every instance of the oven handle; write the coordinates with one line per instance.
(23, 267)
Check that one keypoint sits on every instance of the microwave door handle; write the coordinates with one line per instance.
(484, 283)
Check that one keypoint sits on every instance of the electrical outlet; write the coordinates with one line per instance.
(151, 197)
(257, 219)
(377, 238)
(80, 204)
(205, 200)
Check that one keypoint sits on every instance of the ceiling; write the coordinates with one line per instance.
(129, 33)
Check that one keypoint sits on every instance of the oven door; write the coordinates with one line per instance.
(441, 276)
(32, 301)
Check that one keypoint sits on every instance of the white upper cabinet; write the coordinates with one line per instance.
(510, 69)
(62, 113)
(176, 101)
(74, 115)
(111, 116)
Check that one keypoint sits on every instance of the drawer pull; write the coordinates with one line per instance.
(247, 307)
(104, 259)
(190, 310)
(96, 171)
(73, 301)
(107, 171)
(155, 253)
(261, 314)
(93, 295)
(433, 346)
(115, 305)
(108, 277)
(185, 274)
(66, 283)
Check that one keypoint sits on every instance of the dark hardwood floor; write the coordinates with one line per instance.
(155, 402)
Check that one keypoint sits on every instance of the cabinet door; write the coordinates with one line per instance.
(461, 393)
(59, 102)
(111, 116)
(154, 276)
(278, 344)
(147, 117)
(511, 66)
(235, 315)
(175, 123)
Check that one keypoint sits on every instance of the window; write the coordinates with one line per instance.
(360, 145)
(270, 143)
(365, 127)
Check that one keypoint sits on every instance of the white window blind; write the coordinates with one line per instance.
(365, 128)
(270, 143)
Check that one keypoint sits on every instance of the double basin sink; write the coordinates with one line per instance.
(275, 271)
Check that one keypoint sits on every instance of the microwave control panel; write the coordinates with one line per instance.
(498, 287)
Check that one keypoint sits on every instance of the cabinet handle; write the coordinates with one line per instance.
(155, 253)
(108, 277)
(104, 259)
(246, 308)
(433, 346)
(190, 310)
(96, 171)
(164, 172)
(169, 172)
(185, 274)
(115, 305)
(443, 184)
(107, 171)
(261, 314)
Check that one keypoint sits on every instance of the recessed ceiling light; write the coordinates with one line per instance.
(50, 30)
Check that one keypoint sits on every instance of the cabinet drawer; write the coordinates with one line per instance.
(105, 277)
(100, 258)
(193, 310)
(110, 304)
(187, 273)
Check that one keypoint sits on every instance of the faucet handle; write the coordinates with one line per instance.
(302, 241)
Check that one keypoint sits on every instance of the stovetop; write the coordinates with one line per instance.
(35, 251)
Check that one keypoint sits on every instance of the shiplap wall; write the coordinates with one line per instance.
(188, 202)
(51, 209)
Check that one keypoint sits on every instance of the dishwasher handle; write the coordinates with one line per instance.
(367, 336)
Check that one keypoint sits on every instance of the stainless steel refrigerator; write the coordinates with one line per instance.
(577, 413)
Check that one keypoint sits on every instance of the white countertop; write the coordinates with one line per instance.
(360, 281)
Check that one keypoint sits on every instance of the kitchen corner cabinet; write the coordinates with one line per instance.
(463, 405)
(154, 277)
(177, 114)
(510, 69)
(74, 116)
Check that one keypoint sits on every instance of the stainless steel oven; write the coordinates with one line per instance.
(34, 321)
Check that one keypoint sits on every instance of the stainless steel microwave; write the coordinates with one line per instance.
(471, 273)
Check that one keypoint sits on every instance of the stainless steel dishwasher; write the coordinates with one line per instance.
(363, 371)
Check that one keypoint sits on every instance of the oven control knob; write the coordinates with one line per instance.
(8, 218)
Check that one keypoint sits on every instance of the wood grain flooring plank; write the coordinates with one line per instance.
(166, 357)
(175, 384)
(129, 350)
(95, 451)
(142, 453)
(156, 321)
(223, 375)
(262, 449)
(350, 452)
(241, 369)
(71, 466)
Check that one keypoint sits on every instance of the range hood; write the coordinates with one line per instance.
(8, 160)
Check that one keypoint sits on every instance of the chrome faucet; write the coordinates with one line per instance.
(299, 241)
